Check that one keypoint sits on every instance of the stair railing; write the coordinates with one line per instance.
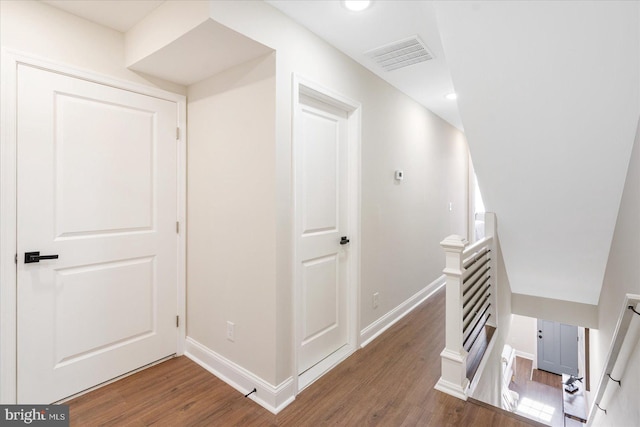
(470, 304)
(625, 339)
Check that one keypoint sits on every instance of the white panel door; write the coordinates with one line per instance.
(557, 347)
(321, 206)
(97, 186)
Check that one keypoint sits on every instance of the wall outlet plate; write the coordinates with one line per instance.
(399, 175)
(231, 331)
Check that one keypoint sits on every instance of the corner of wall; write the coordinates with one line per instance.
(383, 323)
(272, 398)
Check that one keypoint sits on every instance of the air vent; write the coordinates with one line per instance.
(400, 54)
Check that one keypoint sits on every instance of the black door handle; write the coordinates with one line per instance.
(30, 257)
(344, 240)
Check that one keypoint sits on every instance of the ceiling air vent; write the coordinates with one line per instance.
(400, 54)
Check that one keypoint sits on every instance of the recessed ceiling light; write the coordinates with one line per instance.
(451, 95)
(356, 5)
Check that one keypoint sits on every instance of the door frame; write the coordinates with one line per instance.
(303, 86)
(11, 59)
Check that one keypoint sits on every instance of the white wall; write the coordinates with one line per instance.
(621, 277)
(522, 336)
(231, 216)
(240, 172)
(38, 29)
(401, 224)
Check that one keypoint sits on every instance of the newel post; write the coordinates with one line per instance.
(453, 379)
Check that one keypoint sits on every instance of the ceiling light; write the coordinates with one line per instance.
(451, 96)
(356, 5)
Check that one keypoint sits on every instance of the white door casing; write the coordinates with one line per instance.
(326, 176)
(99, 184)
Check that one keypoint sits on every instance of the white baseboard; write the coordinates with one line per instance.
(272, 398)
(525, 355)
(372, 331)
(451, 389)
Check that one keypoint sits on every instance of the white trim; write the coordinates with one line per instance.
(372, 331)
(525, 355)
(451, 389)
(354, 111)
(272, 398)
(10, 60)
(182, 219)
(8, 244)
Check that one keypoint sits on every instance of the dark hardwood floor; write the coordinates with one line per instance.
(388, 383)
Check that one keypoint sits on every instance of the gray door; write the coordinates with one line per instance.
(557, 347)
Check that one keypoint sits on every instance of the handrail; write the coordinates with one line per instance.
(480, 243)
(468, 262)
(625, 339)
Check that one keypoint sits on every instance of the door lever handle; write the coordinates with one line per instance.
(344, 240)
(30, 257)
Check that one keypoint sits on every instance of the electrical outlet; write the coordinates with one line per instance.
(376, 299)
(231, 331)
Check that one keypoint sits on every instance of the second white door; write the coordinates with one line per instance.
(322, 234)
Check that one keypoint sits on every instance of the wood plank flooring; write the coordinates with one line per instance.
(544, 377)
(388, 383)
(545, 390)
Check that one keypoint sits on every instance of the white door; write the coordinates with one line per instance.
(97, 173)
(557, 347)
(321, 215)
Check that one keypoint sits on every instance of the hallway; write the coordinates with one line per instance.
(388, 383)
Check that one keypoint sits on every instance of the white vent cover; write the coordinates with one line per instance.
(400, 54)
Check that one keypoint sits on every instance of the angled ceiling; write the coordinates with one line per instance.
(549, 96)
